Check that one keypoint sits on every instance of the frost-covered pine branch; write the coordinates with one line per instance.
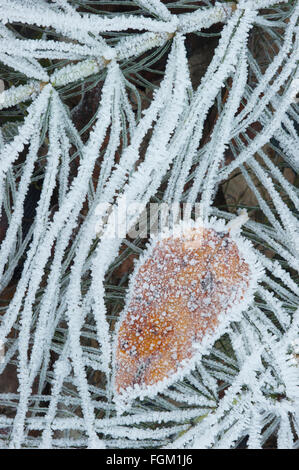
(152, 136)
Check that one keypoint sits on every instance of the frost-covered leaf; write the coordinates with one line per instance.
(185, 290)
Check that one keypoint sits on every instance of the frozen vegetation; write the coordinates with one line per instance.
(216, 361)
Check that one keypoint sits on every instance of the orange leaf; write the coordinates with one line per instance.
(181, 293)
